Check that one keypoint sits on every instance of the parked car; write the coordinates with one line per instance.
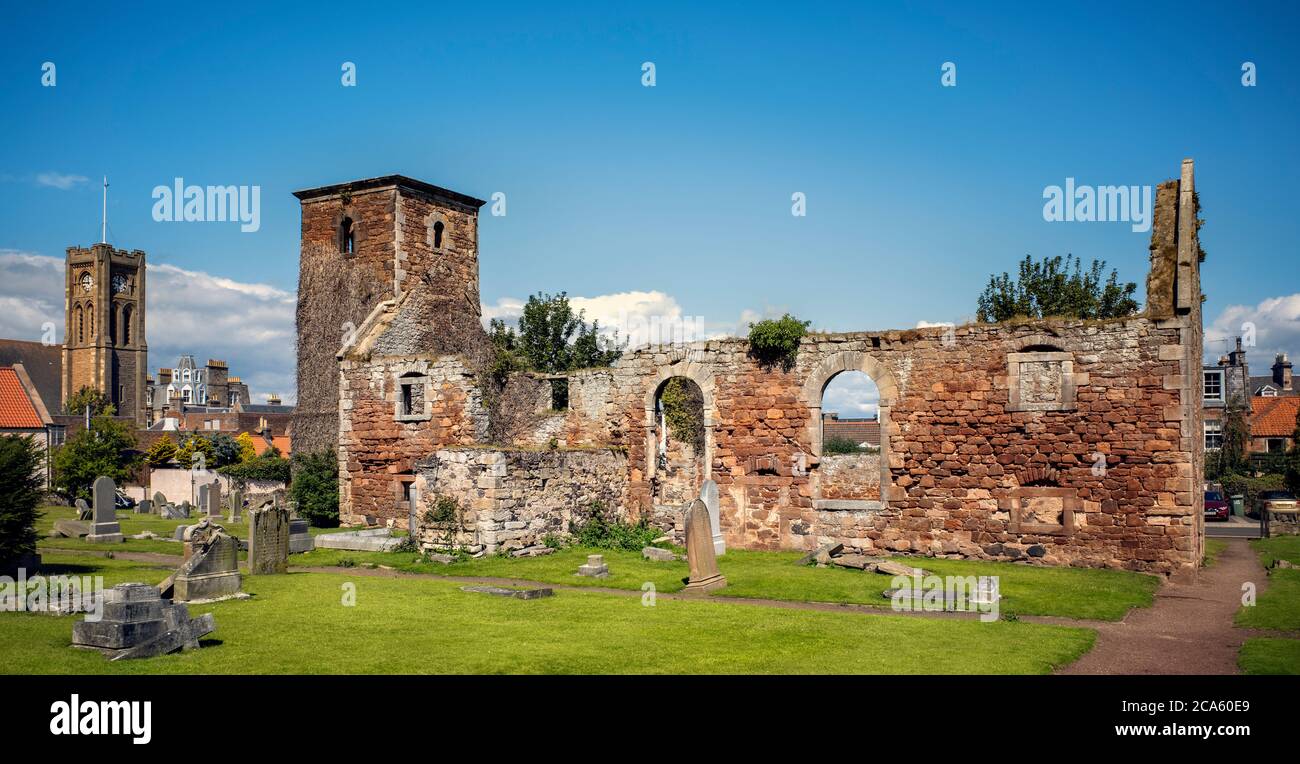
(1277, 502)
(122, 501)
(1216, 506)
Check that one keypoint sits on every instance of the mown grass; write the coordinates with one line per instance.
(133, 524)
(297, 623)
(1270, 656)
(1066, 592)
(1278, 606)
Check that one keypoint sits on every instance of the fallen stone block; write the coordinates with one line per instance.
(659, 555)
(72, 529)
(519, 594)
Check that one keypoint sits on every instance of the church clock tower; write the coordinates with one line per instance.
(104, 341)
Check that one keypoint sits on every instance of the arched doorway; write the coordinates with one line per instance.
(679, 441)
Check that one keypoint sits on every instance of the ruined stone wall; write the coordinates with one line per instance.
(512, 499)
(377, 449)
(854, 477)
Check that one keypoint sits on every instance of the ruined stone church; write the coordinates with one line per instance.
(1057, 441)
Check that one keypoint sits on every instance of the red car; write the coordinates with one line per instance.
(1216, 506)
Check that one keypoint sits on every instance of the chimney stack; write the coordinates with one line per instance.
(1282, 372)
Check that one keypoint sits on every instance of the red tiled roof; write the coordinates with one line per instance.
(858, 431)
(1273, 417)
(16, 409)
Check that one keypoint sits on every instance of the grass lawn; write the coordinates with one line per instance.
(1026, 590)
(296, 623)
(1270, 656)
(1278, 607)
(132, 524)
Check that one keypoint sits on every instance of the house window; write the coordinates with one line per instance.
(411, 402)
(1213, 434)
(186, 394)
(347, 237)
(1276, 445)
(1213, 385)
(1267, 392)
(58, 434)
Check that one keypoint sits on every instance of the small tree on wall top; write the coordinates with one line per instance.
(1056, 287)
(775, 342)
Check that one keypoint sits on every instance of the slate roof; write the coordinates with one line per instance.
(43, 363)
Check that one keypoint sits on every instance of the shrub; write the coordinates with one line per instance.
(20, 475)
(603, 532)
(259, 468)
(838, 445)
(103, 449)
(247, 451)
(161, 453)
(445, 510)
(315, 488)
(776, 342)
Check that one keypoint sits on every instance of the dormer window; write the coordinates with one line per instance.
(347, 237)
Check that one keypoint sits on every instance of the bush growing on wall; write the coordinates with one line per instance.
(20, 475)
(315, 488)
(775, 342)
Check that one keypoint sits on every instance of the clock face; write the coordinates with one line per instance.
(87, 282)
(119, 284)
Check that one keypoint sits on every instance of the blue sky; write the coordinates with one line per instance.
(915, 192)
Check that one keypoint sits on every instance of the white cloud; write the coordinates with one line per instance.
(248, 325)
(1276, 323)
(639, 317)
(61, 181)
(851, 394)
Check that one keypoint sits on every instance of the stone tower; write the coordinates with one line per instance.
(104, 346)
(365, 242)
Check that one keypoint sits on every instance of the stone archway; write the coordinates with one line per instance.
(815, 387)
(703, 378)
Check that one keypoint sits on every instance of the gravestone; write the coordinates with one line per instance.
(72, 529)
(595, 567)
(84, 512)
(210, 500)
(137, 623)
(105, 529)
(211, 566)
(185, 508)
(179, 533)
(236, 505)
(170, 512)
(144, 507)
(300, 539)
(709, 495)
(699, 551)
(268, 540)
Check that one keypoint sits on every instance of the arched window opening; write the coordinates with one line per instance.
(126, 324)
(347, 237)
(437, 234)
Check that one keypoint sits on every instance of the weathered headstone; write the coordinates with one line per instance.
(170, 512)
(300, 539)
(185, 507)
(72, 529)
(144, 507)
(212, 505)
(179, 533)
(105, 529)
(236, 505)
(211, 566)
(84, 512)
(159, 499)
(268, 541)
(709, 495)
(703, 560)
(137, 623)
(595, 567)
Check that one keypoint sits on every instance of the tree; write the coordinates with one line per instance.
(775, 342)
(20, 474)
(591, 350)
(553, 338)
(1056, 287)
(1230, 459)
(225, 449)
(196, 452)
(87, 397)
(102, 449)
(247, 451)
(315, 487)
(161, 453)
(1292, 474)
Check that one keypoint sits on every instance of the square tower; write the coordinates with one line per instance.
(104, 330)
(365, 242)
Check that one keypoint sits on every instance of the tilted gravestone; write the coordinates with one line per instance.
(105, 529)
(159, 499)
(171, 512)
(699, 551)
(268, 540)
(84, 512)
(709, 495)
(211, 566)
